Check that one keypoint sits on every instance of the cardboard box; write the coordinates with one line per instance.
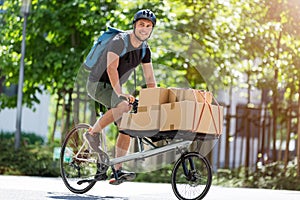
(147, 118)
(217, 125)
(125, 121)
(153, 96)
(192, 116)
(182, 94)
(177, 116)
(211, 119)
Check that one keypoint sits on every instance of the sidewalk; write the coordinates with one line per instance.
(39, 188)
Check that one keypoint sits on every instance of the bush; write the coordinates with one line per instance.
(32, 159)
(26, 138)
(159, 176)
(271, 176)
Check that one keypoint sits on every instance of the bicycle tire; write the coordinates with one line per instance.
(191, 177)
(72, 170)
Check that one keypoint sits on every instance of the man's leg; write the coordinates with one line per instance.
(92, 136)
(122, 145)
(123, 141)
(110, 116)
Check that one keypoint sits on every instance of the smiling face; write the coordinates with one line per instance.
(143, 29)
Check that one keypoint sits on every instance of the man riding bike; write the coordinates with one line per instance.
(110, 73)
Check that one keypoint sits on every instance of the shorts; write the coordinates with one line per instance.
(103, 93)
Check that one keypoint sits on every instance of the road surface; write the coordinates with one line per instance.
(39, 188)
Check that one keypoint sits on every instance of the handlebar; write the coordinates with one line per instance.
(134, 104)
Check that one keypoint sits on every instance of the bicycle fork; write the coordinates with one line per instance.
(188, 167)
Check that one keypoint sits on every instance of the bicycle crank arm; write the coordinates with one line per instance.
(98, 177)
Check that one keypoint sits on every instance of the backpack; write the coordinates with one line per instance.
(100, 45)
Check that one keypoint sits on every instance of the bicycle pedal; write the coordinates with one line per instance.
(127, 177)
(101, 177)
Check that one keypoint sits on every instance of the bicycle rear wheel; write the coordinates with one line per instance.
(78, 165)
(191, 177)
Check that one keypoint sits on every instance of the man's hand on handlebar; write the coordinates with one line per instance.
(127, 97)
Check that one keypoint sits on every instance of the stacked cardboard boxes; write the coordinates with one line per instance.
(148, 115)
(179, 94)
(175, 109)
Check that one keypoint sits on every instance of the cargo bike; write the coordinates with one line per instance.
(191, 176)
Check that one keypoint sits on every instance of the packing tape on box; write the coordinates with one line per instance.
(148, 108)
(172, 126)
(172, 106)
(142, 109)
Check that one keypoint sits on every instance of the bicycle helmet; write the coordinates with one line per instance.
(145, 14)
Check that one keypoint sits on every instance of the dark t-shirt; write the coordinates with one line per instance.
(131, 59)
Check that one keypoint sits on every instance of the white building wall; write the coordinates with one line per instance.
(33, 122)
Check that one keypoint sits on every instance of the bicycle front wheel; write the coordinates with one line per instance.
(191, 177)
(78, 165)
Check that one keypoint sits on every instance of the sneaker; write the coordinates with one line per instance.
(94, 143)
(122, 176)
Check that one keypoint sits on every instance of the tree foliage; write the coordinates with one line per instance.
(58, 35)
(201, 44)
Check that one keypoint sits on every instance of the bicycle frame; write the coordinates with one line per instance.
(181, 146)
(82, 169)
(83, 159)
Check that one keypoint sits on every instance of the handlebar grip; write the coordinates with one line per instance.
(134, 104)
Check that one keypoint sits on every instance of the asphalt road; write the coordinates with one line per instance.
(38, 188)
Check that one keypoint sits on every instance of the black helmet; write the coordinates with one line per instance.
(145, 14)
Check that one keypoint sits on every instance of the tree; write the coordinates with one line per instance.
(59, 34)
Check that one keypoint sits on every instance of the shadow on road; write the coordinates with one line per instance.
(62, 196)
